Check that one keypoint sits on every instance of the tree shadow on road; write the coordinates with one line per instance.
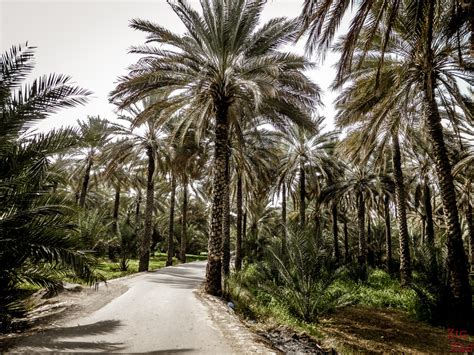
(52, 339)
(177, 279)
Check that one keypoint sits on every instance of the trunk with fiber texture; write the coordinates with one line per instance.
(238, 239)
(169, 260)
(346, 242)
(461, 303)
(388, 233)
(429, 231)
(145, 242)
(115, 224)
(226, 220)
(361, 225)
(85, 182)
(302, 195)
(115, 214)
(283, 217)
(334, 231)
(214, 263)
(184, 214)
(370, 249)
(470, 228)
(400, 202)
(244, 230)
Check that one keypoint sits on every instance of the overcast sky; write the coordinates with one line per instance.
(89, 39)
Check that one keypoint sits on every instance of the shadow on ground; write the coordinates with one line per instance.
(50, 339)
(376, 330)
(181, 277)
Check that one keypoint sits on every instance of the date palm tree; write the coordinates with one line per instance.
(428, 71)
(307, 152)
(36, 241)
(95, 133)
(136, 142)
(223, 63)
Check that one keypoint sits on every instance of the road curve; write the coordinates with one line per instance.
(159, 313)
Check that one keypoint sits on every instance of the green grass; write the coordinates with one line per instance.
(380, 291)
(111, 270)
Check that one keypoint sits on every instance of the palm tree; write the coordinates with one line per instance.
(95, 134)
(221, 65)
(36, 241)
(306, 151)
(361, 183)
(138, 141)
(253, 157)
(432, 57)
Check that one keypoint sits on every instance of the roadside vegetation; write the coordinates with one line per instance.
(218, 149)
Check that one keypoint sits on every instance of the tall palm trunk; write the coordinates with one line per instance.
(244, 229)
(470, 227)
(238, 239)
(388, 233)
(184, 214)
(361, 225)
(226, 221)
(283, 217)
(346, 242)
(169, 260)
(115, 213)
(334, 231)
(85, 182)
(137, 211)
(400, 200)
(145, 243)
(115, 224)
(370, 249)
(302, 194)
(429, 232)
(457, 263)
(214, 264)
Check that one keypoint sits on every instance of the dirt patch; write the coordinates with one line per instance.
(288, 341)
(372, 330)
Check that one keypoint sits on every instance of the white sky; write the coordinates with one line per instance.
(89, 39)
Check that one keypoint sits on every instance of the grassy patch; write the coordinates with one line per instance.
(111, 270)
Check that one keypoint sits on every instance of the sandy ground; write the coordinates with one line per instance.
(156, 312)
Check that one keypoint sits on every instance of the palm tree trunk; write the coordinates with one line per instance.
(400, 200)
(115, 224)
(470, 227)
(169, 260)
(244, 230)
(184, 213)
(457, 263)
(370, 252)
(145, 243)
(346, 242)
(361, 225)
(388, 234)
(137, 211)
(334, 231)
(302, 195)
(115, 214)
(226, 221)
(238, 240)
(283, 217)
(214, 263)
(85, 183)
(429, 232)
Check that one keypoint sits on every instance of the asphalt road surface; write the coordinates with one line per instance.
(159, 313)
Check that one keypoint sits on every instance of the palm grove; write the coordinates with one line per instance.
(220, 147)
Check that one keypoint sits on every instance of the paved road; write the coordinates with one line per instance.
(160, 313)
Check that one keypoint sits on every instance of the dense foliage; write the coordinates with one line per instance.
(219, 148)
